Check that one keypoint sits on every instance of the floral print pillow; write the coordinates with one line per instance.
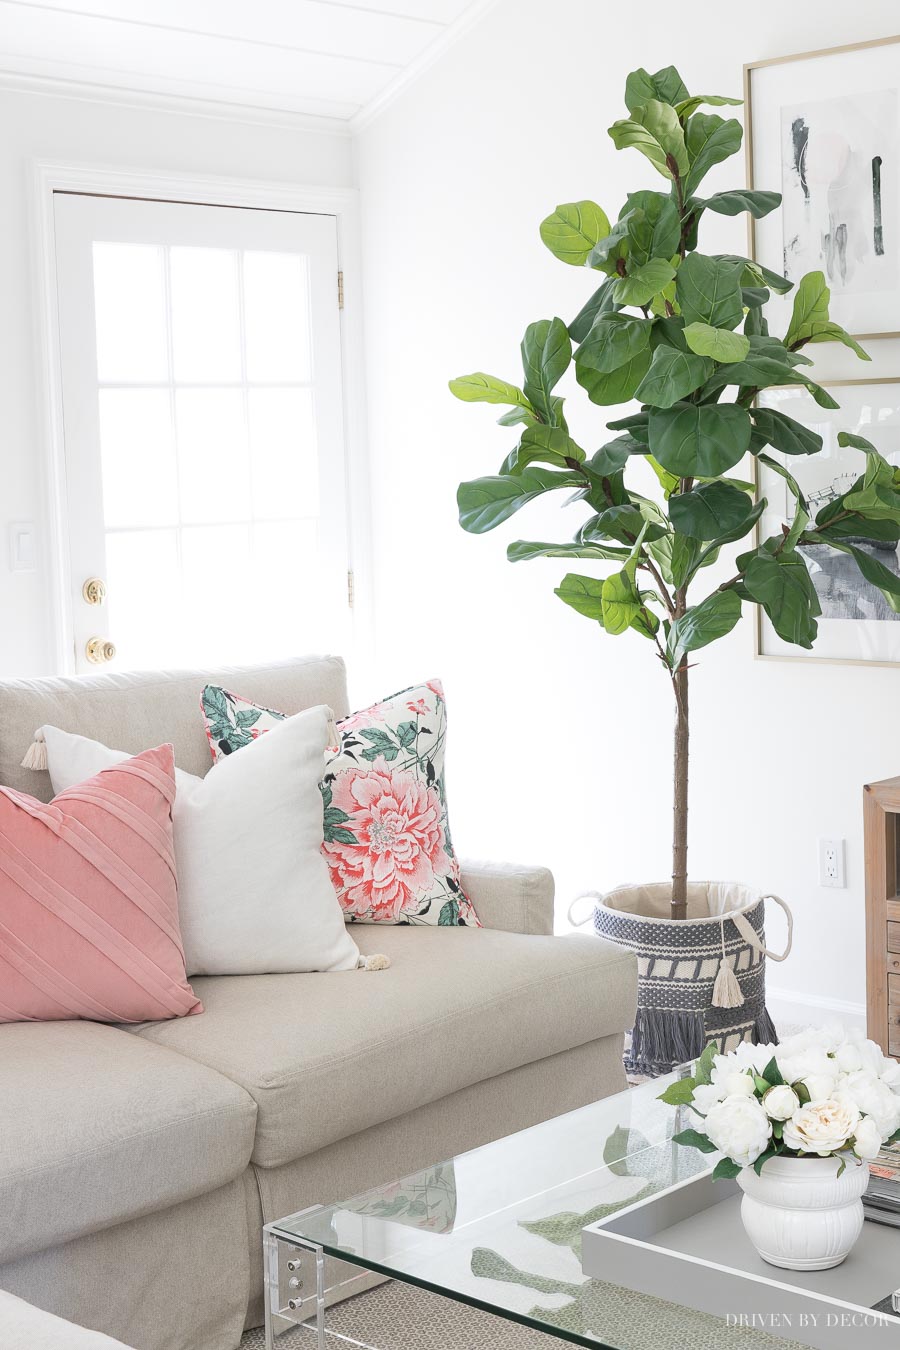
(387, 836)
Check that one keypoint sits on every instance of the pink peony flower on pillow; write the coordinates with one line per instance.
(399, 850)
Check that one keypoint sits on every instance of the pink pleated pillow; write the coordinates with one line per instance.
(89, 900)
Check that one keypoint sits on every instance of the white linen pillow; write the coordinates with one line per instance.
(254, 894)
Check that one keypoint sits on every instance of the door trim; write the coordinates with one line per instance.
(51, 176)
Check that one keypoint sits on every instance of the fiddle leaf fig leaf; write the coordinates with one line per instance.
(572, 230)
(616, 386)
(810, 307)
(709, 140)
(719, 343)
(601, 302)
(654, 229)
(547, 445)
(583, 594)
(666, 85)
(699, 441)
(640, 286)
(546, 353)
(709, 291)
(485, 503)
(784, 433)
(620, 602)
(704, 623)
(524, 550)
(732, 203)
(690, 105)
(655, 130)
(784, 588)
(710, 511)
(672, 376)
(833, 332)
(481, 388)
(613, 340)
(754, 274)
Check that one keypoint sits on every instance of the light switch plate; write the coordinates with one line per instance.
(22, 546)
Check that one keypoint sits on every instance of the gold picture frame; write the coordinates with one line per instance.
(816, 54)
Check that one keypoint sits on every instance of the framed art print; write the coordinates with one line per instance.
(824, 127)
(856, 623)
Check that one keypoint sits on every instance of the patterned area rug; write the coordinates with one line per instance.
(400, 1317)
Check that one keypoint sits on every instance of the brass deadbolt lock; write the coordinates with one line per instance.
(94, 591)
(99, 650)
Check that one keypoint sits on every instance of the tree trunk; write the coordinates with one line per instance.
(680, 832)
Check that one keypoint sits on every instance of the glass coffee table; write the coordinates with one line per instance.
(499, 1229)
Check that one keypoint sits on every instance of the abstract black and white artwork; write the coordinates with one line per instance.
(838, 161)
(856, 622)
(824, 129)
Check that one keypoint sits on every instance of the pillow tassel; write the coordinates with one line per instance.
(727, 992)
(378, 961)
(36, 754)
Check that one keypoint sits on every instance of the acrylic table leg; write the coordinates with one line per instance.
(270, 1276)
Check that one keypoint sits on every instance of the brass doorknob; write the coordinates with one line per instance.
(99, 650)
(94, 591)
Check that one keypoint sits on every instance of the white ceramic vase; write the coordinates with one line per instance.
(799, 1214)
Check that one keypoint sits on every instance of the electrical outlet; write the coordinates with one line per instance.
(831, 863)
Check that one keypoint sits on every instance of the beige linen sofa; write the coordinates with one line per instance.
(138, 1165)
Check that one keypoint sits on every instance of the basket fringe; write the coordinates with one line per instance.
(662, 1038)
(764, 1032)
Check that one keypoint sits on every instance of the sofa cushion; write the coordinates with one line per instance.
(327, 1055)
(23, 1325)
(98, 1126)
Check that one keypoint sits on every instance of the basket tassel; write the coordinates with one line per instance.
(377, 961)
(727, 992)
(36, 754)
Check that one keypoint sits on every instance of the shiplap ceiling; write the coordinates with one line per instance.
(334, 59)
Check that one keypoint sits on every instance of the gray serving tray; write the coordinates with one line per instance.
(687, 1245)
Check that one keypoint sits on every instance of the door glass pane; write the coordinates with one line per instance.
(206, 345)
(130, 312)
(137, 452)
(212, 454)
(284, 456)
(144, 596)
(286, 600)
(276, 309)
(216, 591)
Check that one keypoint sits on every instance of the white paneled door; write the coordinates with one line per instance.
(202, 420)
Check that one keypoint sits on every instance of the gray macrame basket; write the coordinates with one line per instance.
(700, 979)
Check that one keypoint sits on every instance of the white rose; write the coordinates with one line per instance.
(848, 1058)
(820, 1086)
(740, 1128)
(705, 1097)
(735, 1084)
(875, 1098)
(890, 1075)
(867, 1139)
(821, 1127)
(872, 1057)
(780, 1102)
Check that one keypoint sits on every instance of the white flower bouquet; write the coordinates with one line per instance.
(824, 1092)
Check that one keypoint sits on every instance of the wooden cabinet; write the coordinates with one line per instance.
(882, 826)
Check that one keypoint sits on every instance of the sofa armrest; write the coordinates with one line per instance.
(510, 896)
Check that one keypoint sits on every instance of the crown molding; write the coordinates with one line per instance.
(185, 105)
(469, 18)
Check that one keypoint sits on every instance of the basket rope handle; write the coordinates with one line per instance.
(585, 895)
(749, 934)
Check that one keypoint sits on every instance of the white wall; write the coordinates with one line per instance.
(560, 735)
(36, 126)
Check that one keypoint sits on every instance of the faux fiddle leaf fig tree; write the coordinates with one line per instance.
(683, 333)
